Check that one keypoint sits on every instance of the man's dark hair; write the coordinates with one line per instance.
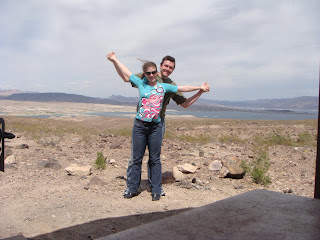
(169, 58)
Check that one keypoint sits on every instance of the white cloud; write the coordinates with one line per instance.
(245, 50)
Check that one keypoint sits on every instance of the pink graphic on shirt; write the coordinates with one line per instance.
(151, 107)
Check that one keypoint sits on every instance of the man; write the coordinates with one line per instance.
(167, 66)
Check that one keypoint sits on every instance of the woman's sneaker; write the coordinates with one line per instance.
(129, 195)
(155, 196)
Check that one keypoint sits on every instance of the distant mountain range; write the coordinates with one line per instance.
(297, 103)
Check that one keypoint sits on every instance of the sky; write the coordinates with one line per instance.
(245, 50)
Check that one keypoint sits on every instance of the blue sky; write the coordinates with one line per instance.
(245, 49)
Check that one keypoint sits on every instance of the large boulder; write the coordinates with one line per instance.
(233, 164)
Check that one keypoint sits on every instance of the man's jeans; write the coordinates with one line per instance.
(143, 135)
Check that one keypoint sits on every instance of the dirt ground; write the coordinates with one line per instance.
(48, 203)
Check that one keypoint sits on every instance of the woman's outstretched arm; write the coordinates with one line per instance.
(122, 70)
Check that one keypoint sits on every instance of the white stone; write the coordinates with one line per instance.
(216, 165)
(10, 160)
(178, 176)
(187, 168)
(76, 170)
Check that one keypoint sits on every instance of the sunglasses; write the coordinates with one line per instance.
(149, 73)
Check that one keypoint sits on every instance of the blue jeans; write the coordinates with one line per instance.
(145, 135)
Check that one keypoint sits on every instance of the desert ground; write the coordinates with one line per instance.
(41, 200)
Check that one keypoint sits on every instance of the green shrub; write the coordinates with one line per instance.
(100, 162)
(306, 138)
(258, 168)
(231, 139)
(125, 132)
(274, 139)
(201, 138)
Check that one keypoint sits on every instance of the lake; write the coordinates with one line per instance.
(272, 115)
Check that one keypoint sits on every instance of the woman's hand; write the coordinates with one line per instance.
(111, 56)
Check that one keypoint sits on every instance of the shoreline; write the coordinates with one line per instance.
(72, 109)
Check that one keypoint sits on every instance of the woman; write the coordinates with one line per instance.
(147, 128)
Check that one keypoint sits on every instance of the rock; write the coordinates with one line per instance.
(167, 177)
(103, 135)
(215, 166)
(96, 181)
(178, 176)
(187, 168)
(116, 145)
(7, 152)
(188, 154)
(22, 146)
(234, 166)
(297, 149)
(112, 161)
(59, 148)
(174, 155)
(288, 190)
(238, 187)
(201, 153)
(205, 164)
(197, 181)
(76, 170)
(51, 163)
(224, 172)
(10, 160)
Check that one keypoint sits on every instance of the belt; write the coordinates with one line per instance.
(145, 123)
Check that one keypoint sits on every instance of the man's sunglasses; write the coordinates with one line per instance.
(149, 73)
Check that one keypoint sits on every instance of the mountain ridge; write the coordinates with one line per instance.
(296, 103)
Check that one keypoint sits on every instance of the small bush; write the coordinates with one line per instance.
(125, 132)
(306, 138)
(201, 138)
(258, 168)
(231, 139)
(100, 161)
(274, 139)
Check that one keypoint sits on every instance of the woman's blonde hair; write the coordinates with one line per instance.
(146, 65)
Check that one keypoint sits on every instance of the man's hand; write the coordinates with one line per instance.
(205, 87)
(111, 56)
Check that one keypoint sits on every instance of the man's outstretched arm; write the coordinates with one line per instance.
(191, 100)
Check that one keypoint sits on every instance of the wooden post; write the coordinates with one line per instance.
(317, 177)
(2, 145)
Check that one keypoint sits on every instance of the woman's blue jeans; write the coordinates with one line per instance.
(146, 135)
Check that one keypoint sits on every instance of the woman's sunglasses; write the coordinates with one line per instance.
(149, 73)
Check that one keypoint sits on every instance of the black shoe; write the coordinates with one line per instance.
(155, 196)
(129, 195)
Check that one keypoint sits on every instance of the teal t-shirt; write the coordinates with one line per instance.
(151, 98)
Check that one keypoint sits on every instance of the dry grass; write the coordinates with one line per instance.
(201, 131)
